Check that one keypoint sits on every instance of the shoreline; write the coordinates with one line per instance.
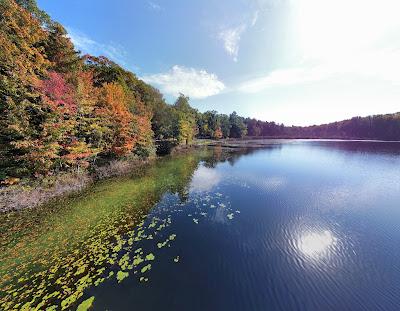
(261, 142)
(31, 193)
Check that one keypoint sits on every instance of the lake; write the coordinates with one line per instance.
(296, 225)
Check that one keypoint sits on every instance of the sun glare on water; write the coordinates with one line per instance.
(315, 244)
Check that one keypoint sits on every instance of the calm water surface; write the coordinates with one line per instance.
(293, 226)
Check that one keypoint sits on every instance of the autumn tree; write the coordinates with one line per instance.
(115, 102)
(22, 115)
(60, 51)
(187, 128)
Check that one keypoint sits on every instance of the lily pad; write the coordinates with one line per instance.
(146, 268)
(85, 305)
(122, 275)
(150, 256)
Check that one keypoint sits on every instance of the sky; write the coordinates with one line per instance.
(297, 62)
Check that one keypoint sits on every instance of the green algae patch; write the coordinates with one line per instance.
(146, 268)
(86, 304)
(121, 275)
(150, 256)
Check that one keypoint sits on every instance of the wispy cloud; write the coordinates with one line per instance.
(154, 6)
(283, 77)
(255, 18)
(231, 39)
(379, 64)
(194, 83)
(87, 45)
(231, 36)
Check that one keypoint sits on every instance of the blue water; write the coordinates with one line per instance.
(294, 226)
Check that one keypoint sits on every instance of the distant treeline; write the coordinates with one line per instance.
(381, 127)
(63, 111)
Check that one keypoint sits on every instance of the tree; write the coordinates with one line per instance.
(238, 128)
(60, 51)
(225, 125)
(187, 127)
(218, 133)
(31, 7)
(115, 102)
(22, 65)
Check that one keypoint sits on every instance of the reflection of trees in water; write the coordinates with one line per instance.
(389, 148)
(220, 154)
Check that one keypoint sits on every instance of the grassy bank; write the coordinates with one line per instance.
(30, 193)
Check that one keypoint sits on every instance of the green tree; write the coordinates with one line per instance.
(225, 125)
(238, 128)
(187, 127)
(60, 51)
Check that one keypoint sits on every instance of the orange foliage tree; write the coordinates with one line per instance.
(115, 101)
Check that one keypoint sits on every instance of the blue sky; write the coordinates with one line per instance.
(293, 61)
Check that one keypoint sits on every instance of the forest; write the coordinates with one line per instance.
(61, 110)
(378, 127)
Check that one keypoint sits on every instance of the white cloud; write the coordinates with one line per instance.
(254, 19)
(362, 45)
(380, 64)
(231, 39)
(87, 45)
(194, 83)
(230, 36)
(282, 77)
(154, 6)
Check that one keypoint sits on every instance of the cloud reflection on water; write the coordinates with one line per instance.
(204, 179)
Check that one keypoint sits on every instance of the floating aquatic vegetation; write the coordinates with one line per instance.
(122, 275)
(150, 256)
(76, 246)
(146, 268)
(124, 262)
(86, 304)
